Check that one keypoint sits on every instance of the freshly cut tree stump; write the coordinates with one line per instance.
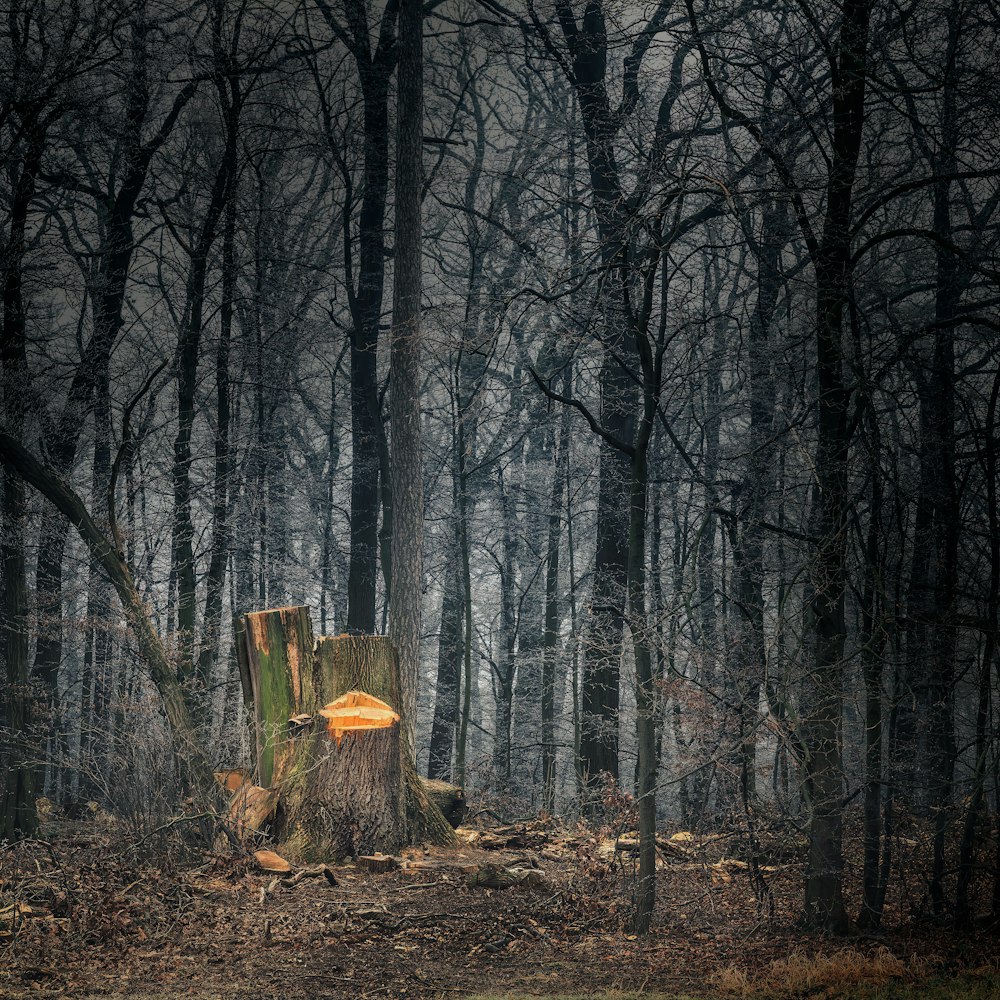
(368, 663)
(329, 740)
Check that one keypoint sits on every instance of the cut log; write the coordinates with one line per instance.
(378, 863)
(450, 799)
(251, 808)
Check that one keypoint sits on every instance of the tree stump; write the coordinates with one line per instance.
(343, 793)
(328, 740)
(277, 670)
(368, 663)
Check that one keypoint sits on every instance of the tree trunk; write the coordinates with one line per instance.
(18, 817)
(277, 668)
(341, 789)
(963, 904)
(873, 652)
(368, 663)
(407, 467)
(551, 637)
(448, 672)
(603, 641)
(216, 582)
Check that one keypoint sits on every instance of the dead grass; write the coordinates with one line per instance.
(802, 973)
(890, 980)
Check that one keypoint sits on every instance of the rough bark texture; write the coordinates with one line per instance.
(278, 677)
(407, 475)
(367, 663)
(342, 797)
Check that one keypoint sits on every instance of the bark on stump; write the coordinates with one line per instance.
(368, 663)
(279, 681)
(342, 793)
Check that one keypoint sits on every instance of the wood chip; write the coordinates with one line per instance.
(378, 862)
(271, 862)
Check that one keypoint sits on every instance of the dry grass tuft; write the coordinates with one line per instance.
(801, 974)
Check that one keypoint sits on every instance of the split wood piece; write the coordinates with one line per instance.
(628, 843)
(251, 808)
(378, 863)
(276, 662)
(297, 723)
(518, 836)
(271, 862)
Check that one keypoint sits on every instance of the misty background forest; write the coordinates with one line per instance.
(634, 367)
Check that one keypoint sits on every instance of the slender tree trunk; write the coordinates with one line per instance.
(366, 421)
(461, 750)
(18, 816)
(450, 646)
(645, 694)
(188, 350)
(873, 658)
(215, 583)
(973, 816)
(823, 763)
(551, 637)
(602, 642)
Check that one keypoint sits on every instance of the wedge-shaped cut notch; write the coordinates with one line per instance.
(354, 711)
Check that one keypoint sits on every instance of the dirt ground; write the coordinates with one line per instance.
(88, 918)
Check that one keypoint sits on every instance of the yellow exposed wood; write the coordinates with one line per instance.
(272, 862)
(251, 807)
(231, 779)
(357, 710)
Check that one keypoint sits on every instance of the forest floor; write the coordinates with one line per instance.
(86, 913)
